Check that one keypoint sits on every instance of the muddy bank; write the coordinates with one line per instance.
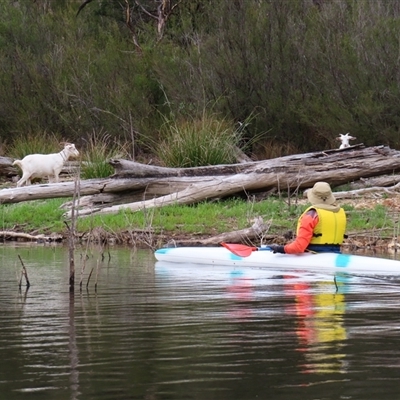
(361, 242)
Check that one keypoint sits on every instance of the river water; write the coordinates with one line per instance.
(144, 330)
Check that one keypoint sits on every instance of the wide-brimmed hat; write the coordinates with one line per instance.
(321, 193)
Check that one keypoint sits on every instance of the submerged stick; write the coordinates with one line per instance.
(71, 233)
(24, 273)
(71, 247)
(97, 275)
(86, 257)
(87, 284)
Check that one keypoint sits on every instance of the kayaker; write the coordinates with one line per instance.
(322, 226)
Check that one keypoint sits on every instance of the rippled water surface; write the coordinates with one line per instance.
(162, 331)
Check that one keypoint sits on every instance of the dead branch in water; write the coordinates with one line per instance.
(24, 273)
(90, 275)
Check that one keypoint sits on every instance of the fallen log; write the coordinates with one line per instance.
(290, 173)
(376, 181)
(136, 186)
(6, 167)
(378, 191)
(7, 235)
(132, 169)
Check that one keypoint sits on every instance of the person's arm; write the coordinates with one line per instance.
(307, 224)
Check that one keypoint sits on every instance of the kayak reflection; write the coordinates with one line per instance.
(319, 308)
(315, 302)
(241, 288)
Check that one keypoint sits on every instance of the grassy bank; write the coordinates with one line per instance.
(368, 221)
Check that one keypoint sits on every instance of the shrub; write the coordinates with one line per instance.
(35, 143)
(100, 149)
(193, 143)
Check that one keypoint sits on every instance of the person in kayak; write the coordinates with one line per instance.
(322, 226)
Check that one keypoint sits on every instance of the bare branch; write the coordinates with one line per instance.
(164, 11)
(83, 5)
(128, 21)
(145, 11)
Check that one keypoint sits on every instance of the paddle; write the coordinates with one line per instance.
(242, 250)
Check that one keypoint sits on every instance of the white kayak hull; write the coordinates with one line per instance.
(266, 259)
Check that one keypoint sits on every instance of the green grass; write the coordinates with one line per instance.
(40, 215)
(203, 218)
(206, 218)
(208, 141)
(377, 218)
(100, 148)
(35, 143)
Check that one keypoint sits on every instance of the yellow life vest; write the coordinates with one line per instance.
(330, 228)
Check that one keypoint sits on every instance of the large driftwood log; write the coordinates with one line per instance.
(301, 171)
(376, 181)
(136, 186)
(378, 191)
(5, 235)
(6, 167)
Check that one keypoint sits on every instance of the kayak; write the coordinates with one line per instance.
(262, 257)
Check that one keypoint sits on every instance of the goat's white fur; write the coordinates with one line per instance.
(42, 165)
(345, 139)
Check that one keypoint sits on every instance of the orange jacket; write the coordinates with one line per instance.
(305, 233)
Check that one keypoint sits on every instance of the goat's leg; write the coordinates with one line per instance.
(56, 175)
(26, 178)
(53, 179)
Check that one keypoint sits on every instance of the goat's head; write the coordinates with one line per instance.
(345, 139)
(70, 150)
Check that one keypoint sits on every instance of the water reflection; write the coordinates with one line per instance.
(73, 350)
(165, 331)
(315, 304)
(319, 308)
(241, 289)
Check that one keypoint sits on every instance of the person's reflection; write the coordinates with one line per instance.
(319, 309)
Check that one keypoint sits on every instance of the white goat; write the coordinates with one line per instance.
(42, 165)
(345, 140)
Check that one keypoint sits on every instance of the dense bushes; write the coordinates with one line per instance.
(305, 71)
(309, 71)
(60, 74)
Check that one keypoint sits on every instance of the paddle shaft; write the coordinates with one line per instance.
(241, 250)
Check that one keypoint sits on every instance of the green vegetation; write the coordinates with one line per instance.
(304, 71)
(34, 144)
(376, 218)
(268, 77)
(209, 141)
(33, 216)
(206, 218)
(99, 149)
